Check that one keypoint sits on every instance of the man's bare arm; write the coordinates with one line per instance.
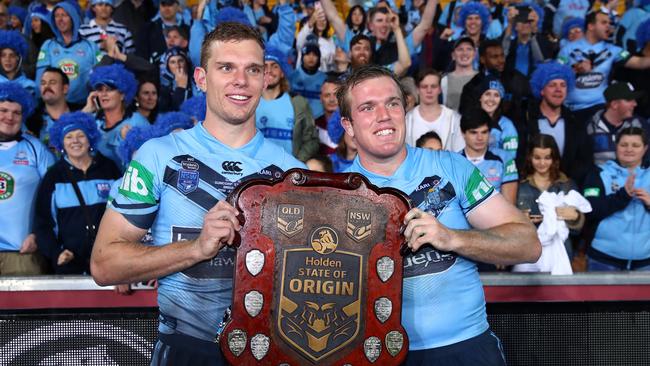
(502, 234)
(425, 22)
(335, 20)
(119, 257)
(509, 191)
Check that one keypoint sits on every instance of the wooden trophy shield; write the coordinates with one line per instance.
(318, 277)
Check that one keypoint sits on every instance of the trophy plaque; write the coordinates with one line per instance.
(318, 277)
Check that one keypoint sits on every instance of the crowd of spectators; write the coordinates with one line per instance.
(545, 98)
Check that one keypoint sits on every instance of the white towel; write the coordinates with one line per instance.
(553, 233)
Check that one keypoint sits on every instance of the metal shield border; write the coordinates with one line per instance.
(257, 200)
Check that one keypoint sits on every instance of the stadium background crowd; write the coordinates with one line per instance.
(549, 99)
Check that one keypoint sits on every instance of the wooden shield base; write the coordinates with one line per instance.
(318, 279)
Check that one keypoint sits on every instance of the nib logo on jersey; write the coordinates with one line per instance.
(232, 168)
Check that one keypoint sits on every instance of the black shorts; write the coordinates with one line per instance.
(181, 350)
(482, 350)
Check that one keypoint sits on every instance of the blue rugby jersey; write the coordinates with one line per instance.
(169, 186)
(23, 165)
(505, 138)
(442, 298)
(496, 168)
(275, 119)
(590, 86)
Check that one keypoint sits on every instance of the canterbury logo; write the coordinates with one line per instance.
(231, 166)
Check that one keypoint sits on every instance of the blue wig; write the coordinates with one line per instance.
(334, 127)
(133, 140)
(115, 76)
(168, 122)
(474, 8)
(231, 14)
(540, 14)
(571, 23)
(275, 55)
(195, 107)
(11, 91)
(643, 34)
(74, 121)
(546, 72)
(15, 41)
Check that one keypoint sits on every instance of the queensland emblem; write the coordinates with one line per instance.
(359, 224)
(320, 298)
(324, 240)
(290, 219)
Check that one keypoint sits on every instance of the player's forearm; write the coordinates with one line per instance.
(125, 262)
(505, 244)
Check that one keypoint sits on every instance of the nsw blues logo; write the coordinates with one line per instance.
(188, 181)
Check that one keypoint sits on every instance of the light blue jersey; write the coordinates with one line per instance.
(112, 137)
(275, 118)
(505, 138)
(496, 167)
(590, 86)
(22, 167)
(442, 298)
(309, 86)
(169, 186)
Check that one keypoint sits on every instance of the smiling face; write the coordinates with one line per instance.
(147, 96)
(233, 81)
(377, 119)
(76, 144)
(62, 21)
(464, 54)
(473, 25)
(10, 118)
(541, 159)
(554, 93)
(379, 26)
(360, 53)
(490, 101)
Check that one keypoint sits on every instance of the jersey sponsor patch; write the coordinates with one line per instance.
(7, 185)
(589, 80)
(221, 266)
(21, 158)
(511, 167)
(41, 56)
(592, 192)
(511, 143)
(427, 260)
(477, 187)
(70, 68)
(138, 183)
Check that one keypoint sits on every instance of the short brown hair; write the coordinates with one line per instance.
(359, 75)
(228, 32)
(426, 72)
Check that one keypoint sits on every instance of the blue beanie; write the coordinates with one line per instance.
(231, 14)
(13, 40)
(168, 122)
(335, 129)
(491, 82)
(19, 12)
(74, 121)
(275, 55)
(571, 23)
(195, 107)
(474, 8)
(95, 2)
(133, 140)
(11, 91)
(548, 71)
(643, 34)
(115, 76)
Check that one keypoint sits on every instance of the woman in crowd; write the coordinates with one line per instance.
(356, 20)
(503, 134)
(37, 30)
(317, 29)
(73, 195)
(146, 100)
(114, 88)
(618, 191)
(542, 174)
(176, 79)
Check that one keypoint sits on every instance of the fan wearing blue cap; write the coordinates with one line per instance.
(284, 119)
(23, 163)
(550, 83)
(13, 50)
(103, 25)
(307, 79)
(114, 88)
(72, 198)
